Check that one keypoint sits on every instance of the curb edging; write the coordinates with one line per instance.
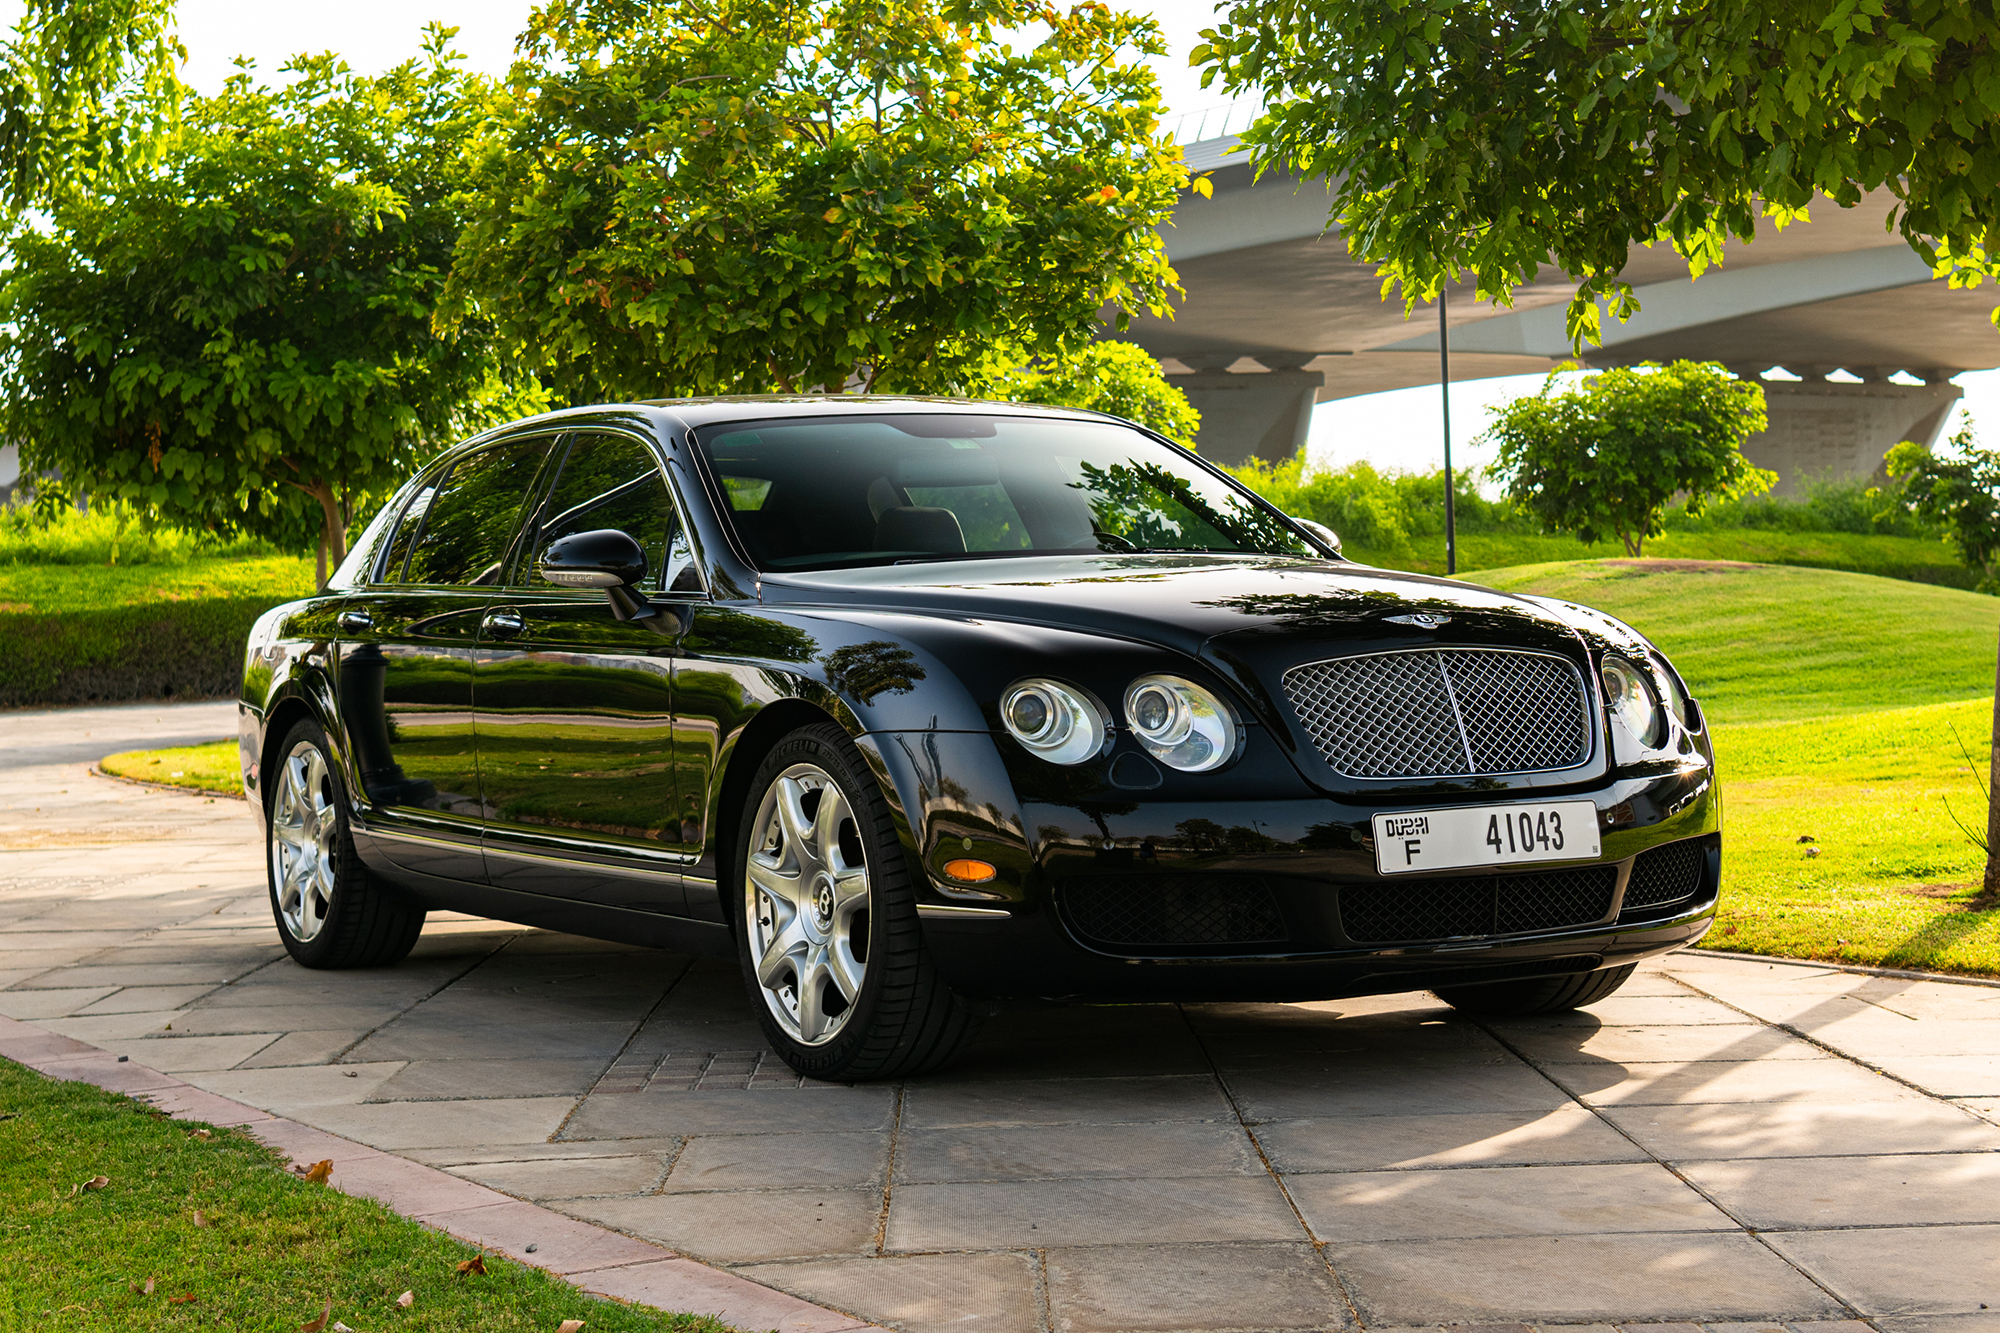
(1861, 968)
(597, 1260)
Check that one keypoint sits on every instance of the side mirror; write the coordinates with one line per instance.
(609, 559)
(1326, 535)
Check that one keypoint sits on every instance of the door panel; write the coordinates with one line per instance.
(574, 707)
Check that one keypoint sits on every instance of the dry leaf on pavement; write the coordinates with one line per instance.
(476, 1264)
(407, 1299)
(324, 1315)
(320, 1170)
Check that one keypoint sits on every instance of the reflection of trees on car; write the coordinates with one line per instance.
(1145, 506)
(876, 667)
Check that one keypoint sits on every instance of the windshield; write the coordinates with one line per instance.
(832, 493)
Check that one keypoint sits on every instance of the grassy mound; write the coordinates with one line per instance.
(1843, 708)
(214, 768)
(84, 633)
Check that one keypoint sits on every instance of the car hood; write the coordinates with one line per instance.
(1233, 605)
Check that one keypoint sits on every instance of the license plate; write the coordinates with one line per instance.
(1490, 835)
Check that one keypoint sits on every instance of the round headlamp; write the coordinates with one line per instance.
(1061, 724)
(1181, 724)
(1630, 696)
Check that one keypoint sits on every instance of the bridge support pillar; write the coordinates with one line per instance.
(1252, 415)
(1822, 430)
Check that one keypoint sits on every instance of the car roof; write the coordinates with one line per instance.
(766, 407)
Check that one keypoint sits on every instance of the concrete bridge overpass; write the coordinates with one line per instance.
(1277, 317)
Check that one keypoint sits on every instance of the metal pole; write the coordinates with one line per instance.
(1444, 385)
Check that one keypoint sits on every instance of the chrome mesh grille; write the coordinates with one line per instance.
(1665, 875)
(1443, 712)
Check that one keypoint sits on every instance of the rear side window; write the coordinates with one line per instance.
(466, 521)
(610, 481)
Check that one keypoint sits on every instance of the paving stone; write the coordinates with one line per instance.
(779, 1161)
(1947, 1075)
(1903, 1270)
(107, 977)
(1170, 1288)
(443, 1080)
(102, 1028)
(1653, 1045)
(562, 1244)
(941, 1105)
(1801, 1129)
(1978, 1322)
(175, 1054)
(1626, 1009)
(752, 1111)
(302, 1048)
(1075, 1151)
(919, 1293)
(568, 1178)
(573, 1150)
(744, 1227)
(680, 1284)
(146, 999)
(52, 1003)
(1501, 1201)
(396, 1125)
(1912, 1190)
(433, 1036)
(1382, 1088)
(1575, 1279)
(1721, 1081)
(1770, 1327)
(296, 1089)
(1362, 1143)
(1039, 1213)
(281, 1018)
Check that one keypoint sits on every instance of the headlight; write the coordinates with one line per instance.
(1061, 724)
(1632, 700)
(1181, 724)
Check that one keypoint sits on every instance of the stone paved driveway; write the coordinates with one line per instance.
(1723, 1142)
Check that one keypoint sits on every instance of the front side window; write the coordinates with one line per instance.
(468, 518)
(832, 493)
(612, 481)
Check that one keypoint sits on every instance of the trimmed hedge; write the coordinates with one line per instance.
(72, 634)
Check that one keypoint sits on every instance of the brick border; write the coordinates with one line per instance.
(600, 1261)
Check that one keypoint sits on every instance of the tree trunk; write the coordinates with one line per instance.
(332, 532)
(1992, 884)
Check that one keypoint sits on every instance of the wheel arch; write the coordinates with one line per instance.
(759, 736)
(285, 714)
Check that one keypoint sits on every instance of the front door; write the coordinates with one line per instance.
(574, 707)
(407, 650)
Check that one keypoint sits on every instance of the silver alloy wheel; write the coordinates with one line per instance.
(806, 904)
(303, 828)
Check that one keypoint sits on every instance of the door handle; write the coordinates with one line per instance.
(355, 620)
(503, 624)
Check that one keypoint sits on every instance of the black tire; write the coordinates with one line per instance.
(346, 916)
(903, 1018)
(1540, 995)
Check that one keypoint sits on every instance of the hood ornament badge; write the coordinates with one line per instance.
(1421, 619)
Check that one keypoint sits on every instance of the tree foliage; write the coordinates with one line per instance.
(1120, 378)
(240, 340)
(86, 86)
(1959, 492)
(1610, 456)
(1491, 136)
(713, 196)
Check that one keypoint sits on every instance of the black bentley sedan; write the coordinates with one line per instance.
(915, 704)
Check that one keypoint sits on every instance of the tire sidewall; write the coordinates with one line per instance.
(888, 890)
(320, 950)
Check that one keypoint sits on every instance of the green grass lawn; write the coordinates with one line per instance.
(211, 768)
(271, 1249)
(1919, 559)
(1838, 704)
(61, 588)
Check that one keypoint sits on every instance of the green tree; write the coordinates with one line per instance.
(1491, 137)
(241, 340)
(1116, 377)
(1959, 492)
(714, 196)
(1610, 456)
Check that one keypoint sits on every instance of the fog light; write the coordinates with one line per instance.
(968, 871)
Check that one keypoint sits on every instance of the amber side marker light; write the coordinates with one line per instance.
(969, 871)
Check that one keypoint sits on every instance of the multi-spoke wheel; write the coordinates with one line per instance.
(331, 912)
(827, 933)
(808, 904)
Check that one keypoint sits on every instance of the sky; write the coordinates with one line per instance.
(1396, 430)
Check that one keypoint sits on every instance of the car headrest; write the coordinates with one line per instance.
(918, 528)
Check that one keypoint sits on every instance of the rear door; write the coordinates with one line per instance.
(407, 651)
(574, 707)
